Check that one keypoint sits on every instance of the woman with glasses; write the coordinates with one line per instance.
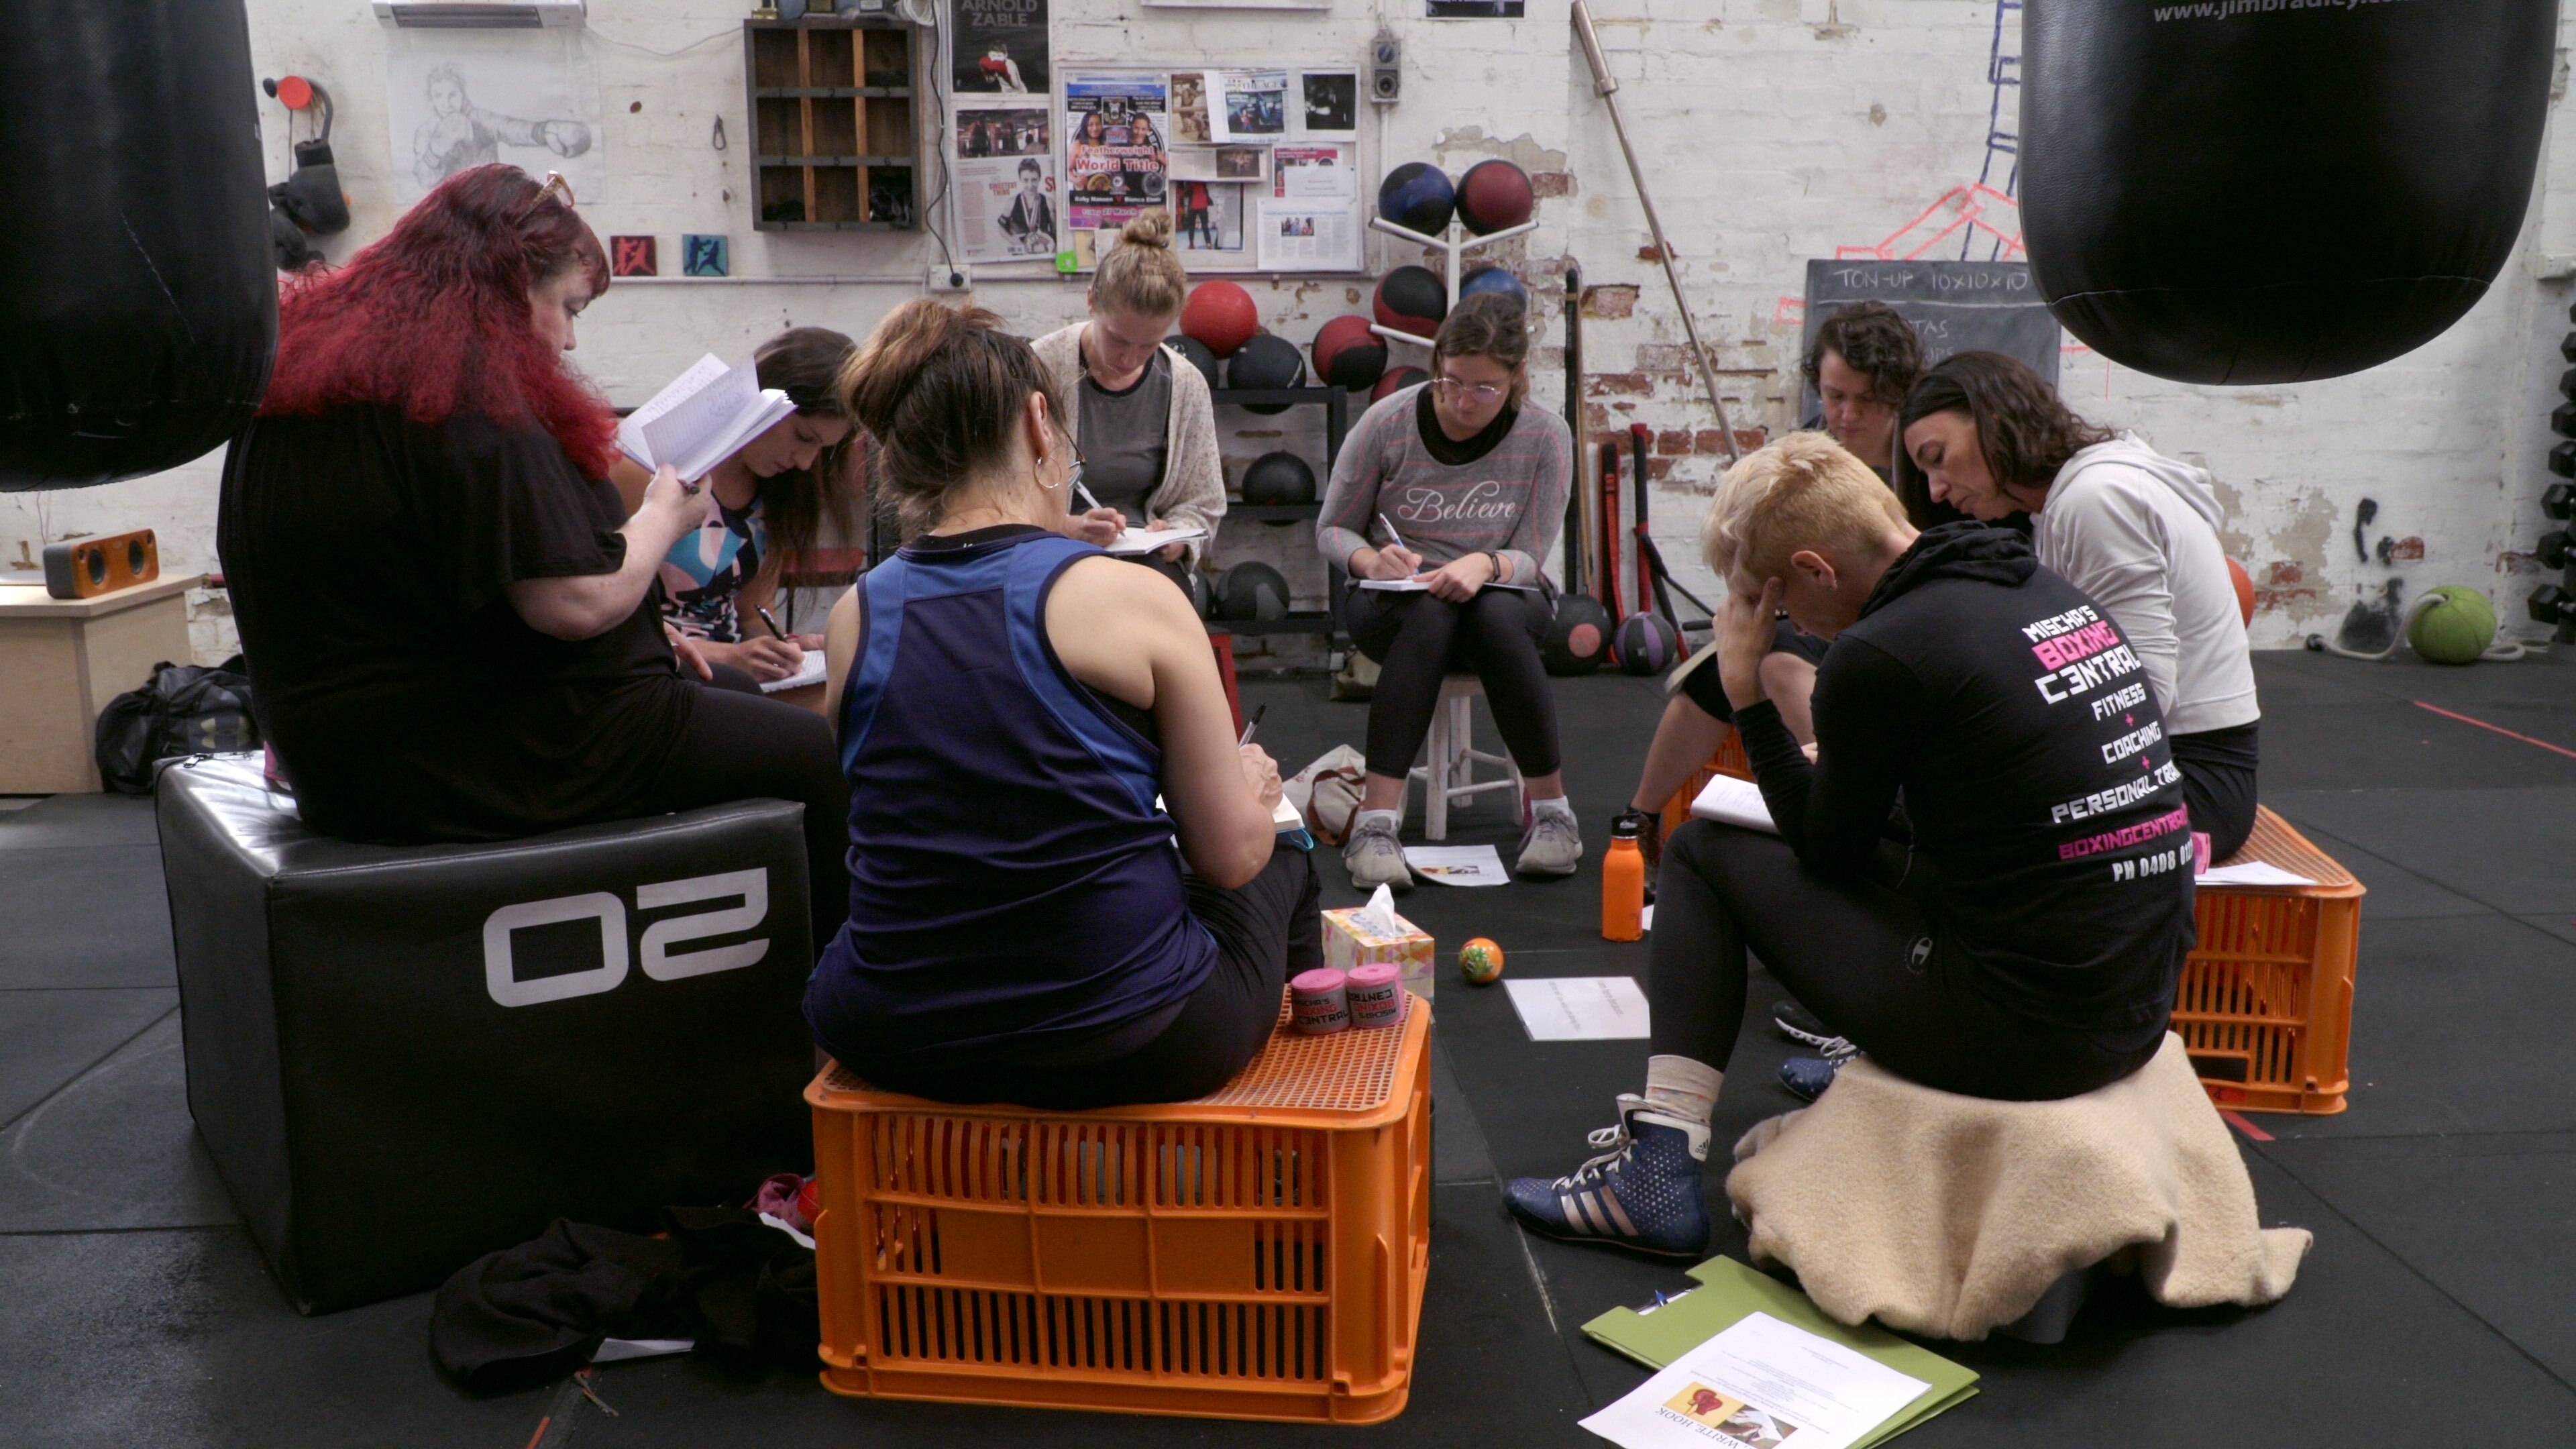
(1142, 422)
(1065, 886)
(1454, 490)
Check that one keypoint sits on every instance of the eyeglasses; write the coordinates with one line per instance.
(558, 188)
(1463, 392)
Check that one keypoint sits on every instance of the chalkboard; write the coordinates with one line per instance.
(1954, 306)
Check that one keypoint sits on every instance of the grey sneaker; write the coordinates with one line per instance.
(1375, 857)
(1552, 847)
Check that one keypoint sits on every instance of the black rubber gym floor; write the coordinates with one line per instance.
(2442, 1288)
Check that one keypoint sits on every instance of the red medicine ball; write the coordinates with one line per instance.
(1221, 316)
(1492, 196)
(1397, 379)
(1412, 299)
(1348, 354)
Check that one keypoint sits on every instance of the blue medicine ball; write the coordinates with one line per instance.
(1417, 196)
(1493, 279)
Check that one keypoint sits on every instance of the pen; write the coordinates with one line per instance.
(1250, 725)
(772, 621)
(1391, 533)
(1087, 500)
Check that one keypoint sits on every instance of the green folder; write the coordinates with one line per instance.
(1729, 1291)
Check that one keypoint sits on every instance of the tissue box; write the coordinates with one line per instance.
(1349, 942)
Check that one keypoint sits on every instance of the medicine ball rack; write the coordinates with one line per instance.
(1335, 401)
(1454, 244)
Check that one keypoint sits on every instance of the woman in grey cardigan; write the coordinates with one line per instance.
(1139, 416)
(1455, 490)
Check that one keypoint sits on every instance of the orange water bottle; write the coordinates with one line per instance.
(1623, 884)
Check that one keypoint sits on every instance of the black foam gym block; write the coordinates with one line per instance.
(47, 1038)
(403, 1058)
(2460, 1024)
(2506, 848)
(113, 1149)
(2482, 1215)
(84, 916)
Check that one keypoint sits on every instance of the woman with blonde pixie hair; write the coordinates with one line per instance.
(1140, 419)
(2023, 945)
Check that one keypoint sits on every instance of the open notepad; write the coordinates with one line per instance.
(1145, 540)
(809, 672)
(1733, 802)
(701, 418)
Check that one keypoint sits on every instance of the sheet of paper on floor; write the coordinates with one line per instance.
(1759, 1384)
(1457, 865)
(1580, 1008)
(2251, 873)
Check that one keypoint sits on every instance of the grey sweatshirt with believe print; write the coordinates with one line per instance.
(1510, 501)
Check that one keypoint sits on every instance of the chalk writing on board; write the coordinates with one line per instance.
(1954, 306)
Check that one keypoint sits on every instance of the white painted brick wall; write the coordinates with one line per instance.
(1773, 131)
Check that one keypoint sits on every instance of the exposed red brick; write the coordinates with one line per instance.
(2285, 571)
(1673, 441)
(1646, 253)
(1710, 440)
(1611, 301)
(1659, 469)
(2406, 548)
(1607, 384)
(1544, 184)
(2510, 562)
(1748, 439)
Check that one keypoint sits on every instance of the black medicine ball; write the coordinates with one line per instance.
(1198, 354)
(1252, 591)
(1578, 640)
(1278, 478)
(1266, 361)
(1412, 299)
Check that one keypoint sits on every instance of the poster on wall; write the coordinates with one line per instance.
(1208, 217)
(1000, 47)
(1328, 106)
(1308, 236)
(1250, 164)
(1004, 165)
(1250, 105)
(1190, 109)
(1114, 153)
(1474, 9)
(1314, 173)
(456, 99)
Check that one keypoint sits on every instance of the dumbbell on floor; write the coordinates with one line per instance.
(2557, 549)
(2550, 604)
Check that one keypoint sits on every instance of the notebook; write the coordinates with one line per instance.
(1416, 586)
(810, 672)
(1731, 801)
(1136, 541)
(701, 418)
(1729, 1291)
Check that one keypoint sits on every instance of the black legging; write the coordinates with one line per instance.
(1266, 931)
(1865, 957)
(1416, 639)
(746, 746)
(2218, 784)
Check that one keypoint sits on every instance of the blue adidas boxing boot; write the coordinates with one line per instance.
(1807, 1077)
(1642, 1193)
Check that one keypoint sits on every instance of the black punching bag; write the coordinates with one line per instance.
(138, 297)
(2264, 191)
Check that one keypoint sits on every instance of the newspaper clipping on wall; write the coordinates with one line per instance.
(1114, 155)
(1004, 163)
(1000, 46)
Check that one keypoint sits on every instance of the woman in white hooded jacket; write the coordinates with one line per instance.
(2135, 530)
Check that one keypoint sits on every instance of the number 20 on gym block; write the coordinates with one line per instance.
(747, 889)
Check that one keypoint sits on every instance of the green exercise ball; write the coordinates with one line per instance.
(2453, 624)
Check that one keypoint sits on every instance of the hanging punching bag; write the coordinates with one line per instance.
(138, 300)
(2263, 191)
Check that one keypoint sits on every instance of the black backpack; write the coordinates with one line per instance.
(187, 709)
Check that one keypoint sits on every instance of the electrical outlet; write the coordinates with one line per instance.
(950, 279)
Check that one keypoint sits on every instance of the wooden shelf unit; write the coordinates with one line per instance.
(834, 140)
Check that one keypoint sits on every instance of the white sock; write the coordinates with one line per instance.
(1683, 1087)
(1393, 820)
(1555, 805)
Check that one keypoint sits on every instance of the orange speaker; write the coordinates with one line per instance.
(81, 567)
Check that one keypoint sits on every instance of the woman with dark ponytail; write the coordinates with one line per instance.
(1066, 889)
(443, 602)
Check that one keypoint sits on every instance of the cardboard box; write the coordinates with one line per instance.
(1346, 945)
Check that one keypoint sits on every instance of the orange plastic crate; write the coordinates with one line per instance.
(2265, 1005)
(1729, 759)
(1256, 1254)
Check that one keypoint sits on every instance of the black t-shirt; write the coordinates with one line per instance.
(369, 559)
(1457, 454)
(1702, 686)
(2045, 806)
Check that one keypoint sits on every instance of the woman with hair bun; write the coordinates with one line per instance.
(1139, 418)
(1066, 889)
(443, 602)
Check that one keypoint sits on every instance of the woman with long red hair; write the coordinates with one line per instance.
(443, 603)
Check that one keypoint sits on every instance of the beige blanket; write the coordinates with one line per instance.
(1950, 1215)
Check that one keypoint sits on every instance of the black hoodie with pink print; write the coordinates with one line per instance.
(2017, 723)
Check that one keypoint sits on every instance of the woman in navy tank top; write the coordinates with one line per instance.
(1028, 922)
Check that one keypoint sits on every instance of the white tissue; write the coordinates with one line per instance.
(1378, 918)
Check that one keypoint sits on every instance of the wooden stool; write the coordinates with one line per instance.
(1448, 771)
